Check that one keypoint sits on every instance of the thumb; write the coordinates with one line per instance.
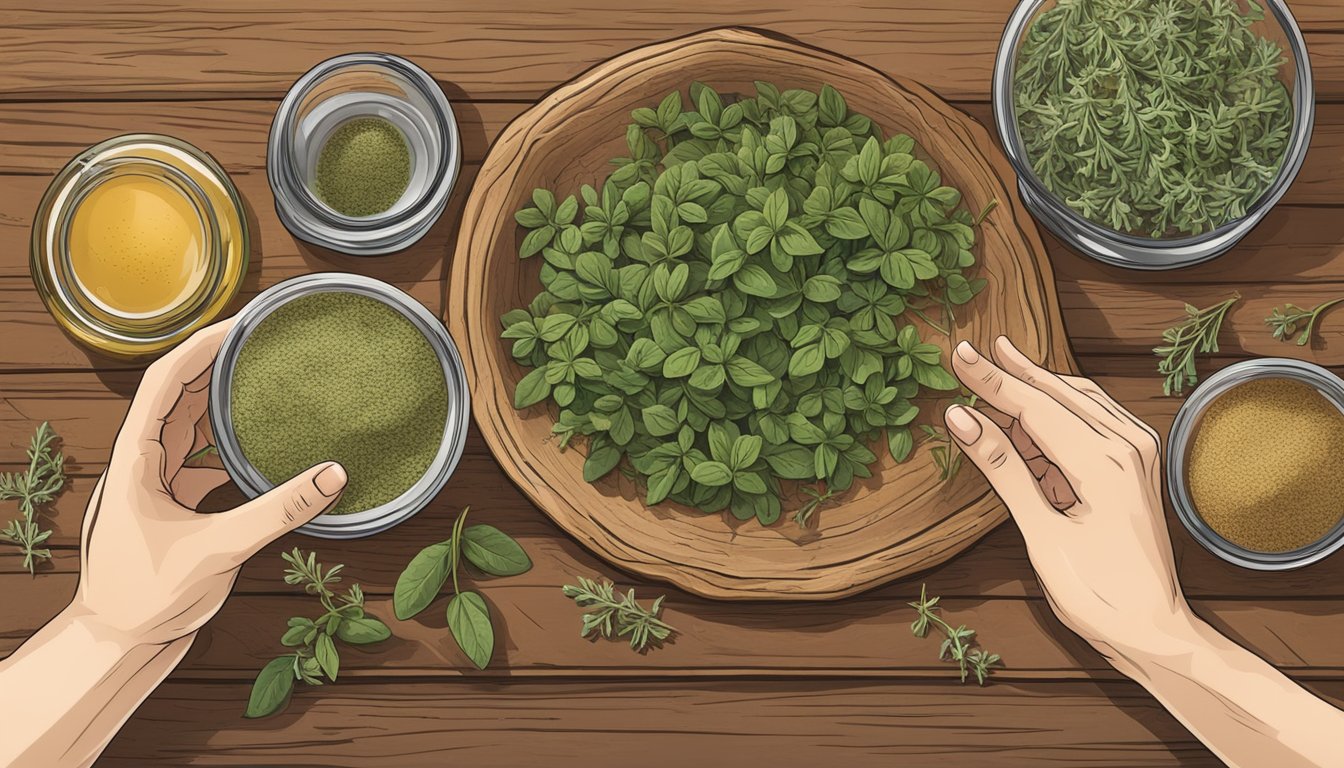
(243, 531)
(993, 453)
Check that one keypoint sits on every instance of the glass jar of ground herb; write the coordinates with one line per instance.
(339, 367)
(363, 154)
(1255, 463)
(1153, 134)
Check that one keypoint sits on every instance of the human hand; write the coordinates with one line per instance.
(1080, 476)
(152, 569)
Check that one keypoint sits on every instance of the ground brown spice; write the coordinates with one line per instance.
(1266, 469)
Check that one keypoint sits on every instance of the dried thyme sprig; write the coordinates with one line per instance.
(1198, 333)
(610, 615)
(1156, 117)
(1284, 321)
(39, 485)
(959, 644)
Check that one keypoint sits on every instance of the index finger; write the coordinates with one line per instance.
(165, 382)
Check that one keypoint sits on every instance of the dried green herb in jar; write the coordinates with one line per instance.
(364, 167)
(1266, 468)
(337, 376)
(1159, 118)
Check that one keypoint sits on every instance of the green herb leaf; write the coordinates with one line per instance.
(271, 689)
(420, 582)
(469, 621)
(362, 631)
(493, 551)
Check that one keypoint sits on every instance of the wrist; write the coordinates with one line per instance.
(1173, 643)
(79, 620)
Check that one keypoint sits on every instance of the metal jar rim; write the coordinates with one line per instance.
(250, 480)
(308, 220)
(1126, 250)
(1183, 431)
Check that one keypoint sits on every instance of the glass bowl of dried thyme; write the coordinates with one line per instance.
(1255, 464)
(1153, 134)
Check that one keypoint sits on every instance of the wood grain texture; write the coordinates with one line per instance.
(901, 520)
(600, 724)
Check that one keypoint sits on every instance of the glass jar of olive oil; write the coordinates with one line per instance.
(139, 241)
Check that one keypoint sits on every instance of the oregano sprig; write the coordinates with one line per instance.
(488, 549)
(315, 654)
(611, 615)
(36, 486)
(959, 643)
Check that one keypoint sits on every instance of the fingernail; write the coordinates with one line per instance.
(962, 424)
(967, 353)
(331, 479)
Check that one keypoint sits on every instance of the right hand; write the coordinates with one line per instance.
(1081, 478)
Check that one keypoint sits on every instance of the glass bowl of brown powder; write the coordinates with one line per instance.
(1255, 464)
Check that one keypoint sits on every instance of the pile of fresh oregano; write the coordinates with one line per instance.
(1154, 117)
(313, 640)
(728, 309)
(484, 546)
(31, 489)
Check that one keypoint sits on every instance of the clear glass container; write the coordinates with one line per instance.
(368, 522)
(1130, 250)
(98, 253)
(1182, 437)
(363, 85)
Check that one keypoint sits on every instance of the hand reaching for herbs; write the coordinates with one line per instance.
(153, 571)
(1081, 477)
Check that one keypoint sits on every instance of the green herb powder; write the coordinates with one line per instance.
(340, 377)
(1154, 117)
(364, 168)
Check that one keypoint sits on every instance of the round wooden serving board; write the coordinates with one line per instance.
(901, 520)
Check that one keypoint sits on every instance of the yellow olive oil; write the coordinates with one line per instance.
(136, 246)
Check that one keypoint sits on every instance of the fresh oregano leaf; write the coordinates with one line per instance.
(420, 582)
(362, 631)
(469, 621)
(272, 688)
(493, 551)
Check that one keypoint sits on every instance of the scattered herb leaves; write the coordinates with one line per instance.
(610, 615)
(1198, 333)
(1159, 118)
(39, 485)
(958, 645)
(314, 640)
(484, 546)
(728, 309)
(1285, 321)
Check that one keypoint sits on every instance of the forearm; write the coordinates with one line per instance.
(71, 687)
(1242, 708)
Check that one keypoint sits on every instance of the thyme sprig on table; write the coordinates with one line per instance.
(37, 486)
(1154, 117)
(959, 643)
(611, 615)
(1197, 334)
(1285, 320)
(313, 640)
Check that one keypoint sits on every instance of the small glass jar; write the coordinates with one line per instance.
(139, 241)
(1126, 249)
(1182, 437)
(330, 95)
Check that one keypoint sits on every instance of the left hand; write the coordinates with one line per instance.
(152, 569)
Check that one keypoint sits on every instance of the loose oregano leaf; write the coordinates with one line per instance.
(493, 551)
(755, 269)
(271, 690)
(420, 582)
(469, 621)
(362, 631)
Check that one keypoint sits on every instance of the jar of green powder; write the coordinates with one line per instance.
(340, 367)
(363, 154)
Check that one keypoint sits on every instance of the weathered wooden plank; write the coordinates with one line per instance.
(597, 724)
(486, 50)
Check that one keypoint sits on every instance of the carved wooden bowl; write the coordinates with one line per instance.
(904, 518)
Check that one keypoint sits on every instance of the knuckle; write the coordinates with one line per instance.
(997, 457)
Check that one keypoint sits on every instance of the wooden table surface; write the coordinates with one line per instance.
(841, 682)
